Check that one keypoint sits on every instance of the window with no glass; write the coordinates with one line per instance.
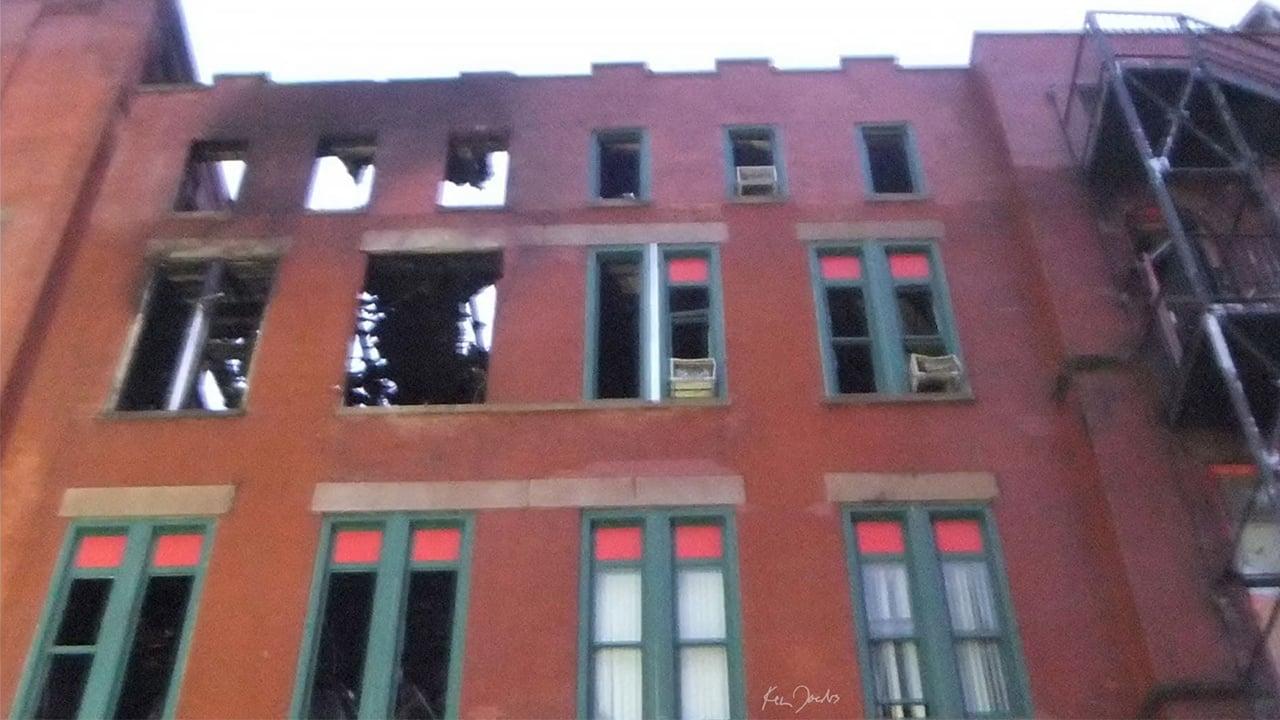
(342, 178)
(884, 320)
(212, 177)
(475, 174)
(663, 633)
(754, 164)
(890, 160)
(936, 635)
(387, 619)
(117, 622)
(197, 335)
(620, 165)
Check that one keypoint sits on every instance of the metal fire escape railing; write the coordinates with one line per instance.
(1108, 113)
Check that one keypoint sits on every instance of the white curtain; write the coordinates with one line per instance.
(972, 607)
(700, 600)
(704, 683)
(616, 619)
(888, 599)
(895, 661)
(618, 684)
(896, 667)
(617, 606)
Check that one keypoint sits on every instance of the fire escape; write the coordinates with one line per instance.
(1175, 125)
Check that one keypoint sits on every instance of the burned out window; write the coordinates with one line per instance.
(212, 177)
(890, 163)
(342, 178)
(92, 627)
(200, 325)
(423, 330)
(420, 565)
(168, 57)
(655, 330)
(620, 165)
(475, 173)
(755, 167)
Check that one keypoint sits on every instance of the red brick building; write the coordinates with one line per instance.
(857, 392)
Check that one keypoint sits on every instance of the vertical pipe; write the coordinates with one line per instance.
(193, 340)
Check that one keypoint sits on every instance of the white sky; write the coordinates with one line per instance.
(299, 40)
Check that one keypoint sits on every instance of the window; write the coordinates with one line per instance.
(619, 165)
(654, 324)
(212, 177)
(423, 330)
(1254, 528)
(660, 635)
(755, 163)
(475, 174)
(387, 613)
(884, 320)
(935, 635)
(890, 165)
(343, 174)
(200, 325)
(113, 637)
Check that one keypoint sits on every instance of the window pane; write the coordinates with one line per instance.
(969, 597)
(618, 328)
(617, 684)
(344, 635)
(86, 601)
(895, 667)
(888, 161)
(704, 683)
(700, 595)
(915, 307)
(982, 676)
(854, 370)
(620, 166)
(848, 312)
(617, 606)
(423, 680)
(64, 686)
(888, 599)
(155, 647)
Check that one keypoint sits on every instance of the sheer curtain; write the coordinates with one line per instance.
(616, 664)
(704, 662)
(971, 604)
(895, 662)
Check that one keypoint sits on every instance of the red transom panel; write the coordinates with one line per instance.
(693, 269)
(619, 543)
(909, 266)
(699, 541)
(840, 267)
(178, 550)
(357, 546)
(958, 536)
(880, 536)
(437, 544)
(100, 551)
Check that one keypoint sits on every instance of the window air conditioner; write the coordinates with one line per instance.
(934, 373)
(693, 377)
(761, 178)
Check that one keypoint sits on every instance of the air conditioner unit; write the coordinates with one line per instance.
(757, 179)
(693, 377)
(934, 373)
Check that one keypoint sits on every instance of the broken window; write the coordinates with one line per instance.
(343, 175)
(754, 164)
(890, 166)
(411, 647)
(475, 172)
(884, 323)
(201, 324)
(212, 177)
(655, 331)
(424, 329)
(168, 58)
(620, 164)
(95, 628)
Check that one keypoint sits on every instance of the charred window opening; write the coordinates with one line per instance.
(889, 161)
(155, 647)
(197, 338)
(475, 172)
(342, 178)
(169, 58)
(344, 636)
(755, 168)
(620, 157)
(424, 329)
(850, 339)
(74, 643)
(212, 178)
(428, 636)
(617, 369)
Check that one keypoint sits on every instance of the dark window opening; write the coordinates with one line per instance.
(201, 325)
(850, 340)
(344, 637)
(888, 161)
(423, 680)
(690, 309)
(855, 372)
(619, 159)
(168, 59)
(755, 169)
(848, 312)
(618, 327)
(342, 178)
(212, 178)
(424, 328)
(64, 686)
(155, 647)
(915, 307)
(86, 601)
(475, 173)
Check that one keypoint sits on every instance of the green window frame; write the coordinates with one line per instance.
(602, 136)
(660, 642)
(116, 588)
(774, 136)
(659, 282)
(885, 317)
(393, 567)
(963, 564)
(915, 165)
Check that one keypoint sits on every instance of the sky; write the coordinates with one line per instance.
(308, 40)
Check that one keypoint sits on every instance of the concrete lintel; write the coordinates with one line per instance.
(870, 230)
(455, 239)
(201, 248)
(388, 496)
(149, 501)
(708, 490)
(910, 487)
